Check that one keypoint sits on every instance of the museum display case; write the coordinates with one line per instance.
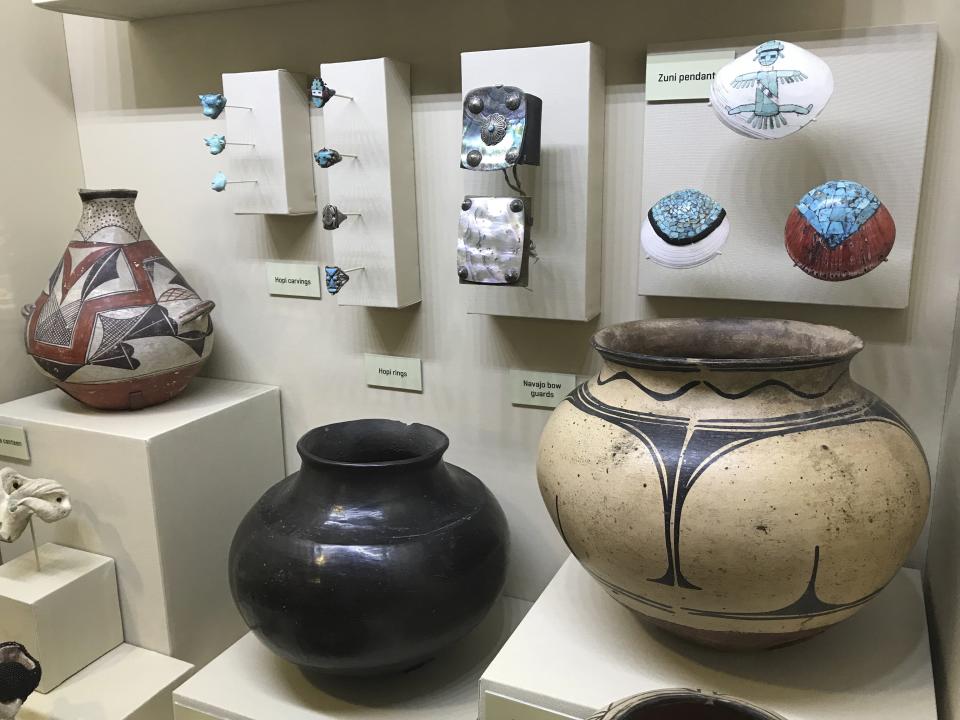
(401, 484)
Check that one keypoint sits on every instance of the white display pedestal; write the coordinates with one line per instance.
(567, 188)
(377, 127)
(579, 650)
(248, 682)
(67, 613)
(162, 491)
(129, 683)
(278, 128)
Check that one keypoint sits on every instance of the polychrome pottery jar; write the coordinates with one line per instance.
(374, 557)
(117, 327)
(730, 482)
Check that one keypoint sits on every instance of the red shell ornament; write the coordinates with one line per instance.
(838, 231)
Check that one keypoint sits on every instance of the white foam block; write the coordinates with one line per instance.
(67, 613)
(128, 683)
(377, 127)
(567, 188)
(278, 125)
(579, 650)
(162, 491)
(248, 682)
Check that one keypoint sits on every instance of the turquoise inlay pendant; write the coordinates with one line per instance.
(686, 216)
(837, 209)
(838, 231)
(684, 229)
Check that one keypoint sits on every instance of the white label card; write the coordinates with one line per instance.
(683, 75)
(13, 442)
(541, 389)
(390, 371)
(296, 279)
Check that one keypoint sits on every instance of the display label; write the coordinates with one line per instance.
(295, 279)
(499, 707)
(390, 371)
(13, 442)
(683, 75)
(538, 388)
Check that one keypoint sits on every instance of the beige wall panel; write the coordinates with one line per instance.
(40, 171)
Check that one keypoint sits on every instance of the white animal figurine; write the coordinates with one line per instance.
(21, 498)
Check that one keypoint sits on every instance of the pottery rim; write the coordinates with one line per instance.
(725, 343)
(678, 699)
(373, 444)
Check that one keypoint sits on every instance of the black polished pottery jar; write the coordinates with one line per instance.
(372, 558)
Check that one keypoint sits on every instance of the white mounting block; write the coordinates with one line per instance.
(567, 189)
(377, 127)
(67, 613)
(144, 484)
(278, 125)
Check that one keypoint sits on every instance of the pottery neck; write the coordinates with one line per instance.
(109, 217)
(372, 460)
(725, 368)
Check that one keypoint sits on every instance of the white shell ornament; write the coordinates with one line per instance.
(684, 229)
(771, 92)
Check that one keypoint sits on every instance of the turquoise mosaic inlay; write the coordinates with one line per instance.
(837, 209)
(686, 216)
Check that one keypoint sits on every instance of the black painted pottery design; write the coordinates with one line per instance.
(729, 481)
(372, 558)
(683, 704)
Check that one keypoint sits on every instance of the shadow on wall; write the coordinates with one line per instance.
(173, 57)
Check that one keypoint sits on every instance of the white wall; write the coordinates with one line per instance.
(135, 90)
(942, 577)
(39, 162)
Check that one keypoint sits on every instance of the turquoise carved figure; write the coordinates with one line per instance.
(215, 143)
(219, 182)
(212, 104)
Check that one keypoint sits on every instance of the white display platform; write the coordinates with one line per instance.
(567, 187)
(579, 650)
(67, 613)
(248, 682)
(377, 127)
(873, 130)
(162, 491)
(278, 126)
(129, 683)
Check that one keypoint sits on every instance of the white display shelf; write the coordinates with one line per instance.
(66, 613)
(144, 9)
(579, 650)
(248, 682)
(128, 683)
(161, 491)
